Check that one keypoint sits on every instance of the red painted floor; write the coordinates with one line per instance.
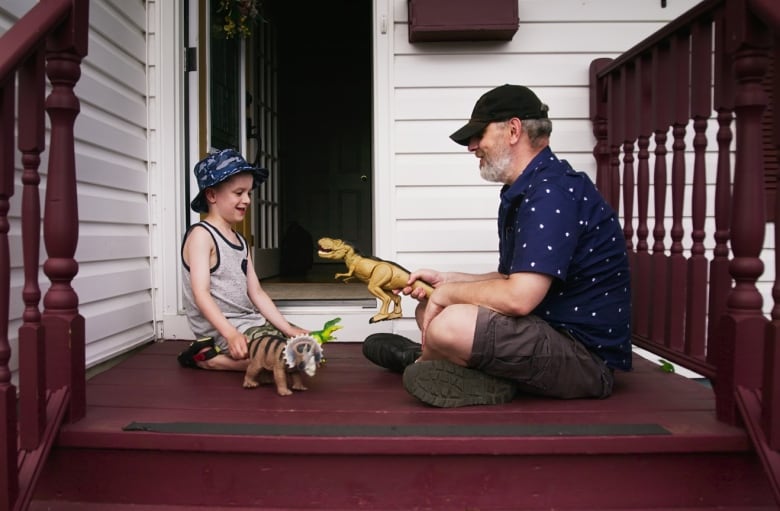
(354, 406)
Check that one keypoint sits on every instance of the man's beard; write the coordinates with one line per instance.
(494, 170)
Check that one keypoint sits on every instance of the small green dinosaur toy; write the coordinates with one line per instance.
(326, 334)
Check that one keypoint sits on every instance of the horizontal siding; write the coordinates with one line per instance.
(476, 70)
(111, 145)
(417, 103)
(114, 250)
(433, 136)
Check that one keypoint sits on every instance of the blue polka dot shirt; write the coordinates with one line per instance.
(553, 220)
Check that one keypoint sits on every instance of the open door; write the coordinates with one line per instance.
(263, 141)
(242, 115)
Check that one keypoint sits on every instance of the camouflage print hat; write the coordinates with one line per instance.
(217, 167)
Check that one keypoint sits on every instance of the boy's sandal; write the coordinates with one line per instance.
(197, 352)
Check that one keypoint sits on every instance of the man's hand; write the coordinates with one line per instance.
(432, 277)
(432, 309)
(237, 346)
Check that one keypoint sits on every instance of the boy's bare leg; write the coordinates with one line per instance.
(224, 363)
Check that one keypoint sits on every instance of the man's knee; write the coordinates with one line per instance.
(452, 331)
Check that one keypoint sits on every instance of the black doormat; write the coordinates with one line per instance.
(424, 430)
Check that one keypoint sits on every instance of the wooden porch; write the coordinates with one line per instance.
(156, 434)
(356, 440)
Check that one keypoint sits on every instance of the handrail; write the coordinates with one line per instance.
(24, 37)
(682, 22)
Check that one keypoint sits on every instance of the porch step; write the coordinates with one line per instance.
(154, 478)
(157, 436)
(89, 506)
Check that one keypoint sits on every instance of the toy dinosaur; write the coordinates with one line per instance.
(381, 276)
(285, 360)
(326, 334)
(273, 359)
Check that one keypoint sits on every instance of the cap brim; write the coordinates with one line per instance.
(471, 129)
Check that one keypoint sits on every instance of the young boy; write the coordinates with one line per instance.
(222, 295)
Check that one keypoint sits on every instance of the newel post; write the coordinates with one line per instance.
(62, 322)
(743, 325)
(8, 427)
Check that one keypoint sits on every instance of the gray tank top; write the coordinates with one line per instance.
(228, 288)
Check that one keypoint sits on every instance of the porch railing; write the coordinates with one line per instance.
(706, 69)
(50, 41)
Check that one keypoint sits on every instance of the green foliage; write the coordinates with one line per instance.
(235, 17)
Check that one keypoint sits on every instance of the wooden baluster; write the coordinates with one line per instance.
(32, 373)
(720, 279)
(743, 326)
(641, 277)
(660, 80)
(628, 104)
(599, 121)
(9, 478)
(612, 192)
(701, 108)
(61, 319)
(675, 311)
(770, 409)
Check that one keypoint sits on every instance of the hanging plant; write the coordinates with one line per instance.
(235, 18)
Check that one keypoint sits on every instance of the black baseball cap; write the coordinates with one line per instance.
(501, 104)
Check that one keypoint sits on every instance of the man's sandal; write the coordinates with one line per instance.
(198, 352)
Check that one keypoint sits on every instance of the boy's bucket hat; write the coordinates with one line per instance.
(217, 167)
(501, 104)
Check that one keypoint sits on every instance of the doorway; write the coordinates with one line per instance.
(308, 111)
(324, 84)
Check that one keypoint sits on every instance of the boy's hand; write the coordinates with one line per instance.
(237, 346)
(295, 331)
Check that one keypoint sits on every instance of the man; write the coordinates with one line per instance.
(554, 319)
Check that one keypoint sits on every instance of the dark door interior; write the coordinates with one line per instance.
(325, 120)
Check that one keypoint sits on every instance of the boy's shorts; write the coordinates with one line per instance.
(544, 361)
(254, 332)
(251, 333)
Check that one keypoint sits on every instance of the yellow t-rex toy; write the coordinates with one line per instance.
(381, 276)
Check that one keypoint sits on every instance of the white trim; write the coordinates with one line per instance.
(385, 228)
(174, 163)
(384, 242)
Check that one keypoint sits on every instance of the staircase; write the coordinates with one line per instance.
(157, 436)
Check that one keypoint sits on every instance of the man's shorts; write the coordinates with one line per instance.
(542, 360)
